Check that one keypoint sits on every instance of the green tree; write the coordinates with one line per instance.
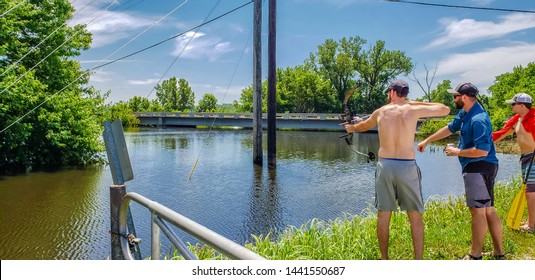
(208, 103)
(139, 104)
(337, 62)
(441, 95)
(506, 85)
(48, 116)
(245, 104)
(175, 96)
(302, 90)
(299, 89)
(366, 72)
(123, 111)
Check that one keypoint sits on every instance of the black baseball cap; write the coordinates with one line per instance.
(399, 86)
(466, 89)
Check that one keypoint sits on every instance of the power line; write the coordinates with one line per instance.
(86, 72)
(185, 47)
(461, 7)
(42, 41)
(8, 11)
(172, 37)
(38, 63)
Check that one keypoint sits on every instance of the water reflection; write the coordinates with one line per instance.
(265, 213)
(46, 215)
(65, 214)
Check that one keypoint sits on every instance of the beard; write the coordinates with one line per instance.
(459, 104)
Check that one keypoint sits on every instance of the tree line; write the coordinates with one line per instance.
(50, 116)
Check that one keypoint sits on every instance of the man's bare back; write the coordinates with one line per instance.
(396, 124)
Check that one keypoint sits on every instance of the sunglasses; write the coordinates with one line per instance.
(456, 95)
(513, 104)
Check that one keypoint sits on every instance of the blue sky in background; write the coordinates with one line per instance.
(466, 44)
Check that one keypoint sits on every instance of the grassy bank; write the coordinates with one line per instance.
(447, 235)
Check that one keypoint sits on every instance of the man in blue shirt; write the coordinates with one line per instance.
(479, 166)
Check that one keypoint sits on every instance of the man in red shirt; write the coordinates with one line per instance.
(523, 124)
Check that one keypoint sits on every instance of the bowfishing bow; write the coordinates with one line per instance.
(348, 117)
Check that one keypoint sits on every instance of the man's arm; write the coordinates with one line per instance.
(430, 109)
(362, 126)
(440, 134)
(469, 153)
(500, 134)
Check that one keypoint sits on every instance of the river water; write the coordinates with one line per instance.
(65, 214)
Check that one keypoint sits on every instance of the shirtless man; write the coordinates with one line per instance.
(523, 124)
(398, 176)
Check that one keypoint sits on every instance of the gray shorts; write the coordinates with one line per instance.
(524, 162)
(398, 180)
(479, 184)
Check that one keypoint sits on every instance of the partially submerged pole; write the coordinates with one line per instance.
(272, 86)
(257, 83)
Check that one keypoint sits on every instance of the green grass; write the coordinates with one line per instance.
(353, 237)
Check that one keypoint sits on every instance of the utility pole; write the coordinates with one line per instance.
(272, 88)
(257, 83)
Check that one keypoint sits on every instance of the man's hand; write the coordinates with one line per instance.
(421, 146)
(357, 120)
(452, 151)
(348, 127)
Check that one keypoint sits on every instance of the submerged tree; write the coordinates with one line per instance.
(49, 117)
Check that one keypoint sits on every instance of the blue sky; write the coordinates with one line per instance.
(467, 45)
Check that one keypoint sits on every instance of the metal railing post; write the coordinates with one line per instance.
(155, 238)
(117, 192)
(119, 179)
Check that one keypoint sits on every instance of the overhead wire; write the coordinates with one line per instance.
(12, 8)
(185, 46)
(174, 36)
(53, 51)
(141, 33)
(89, 70)
(42, 41)
(461, 6)
(224, 96)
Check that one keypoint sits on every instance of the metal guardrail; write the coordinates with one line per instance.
(160, 215)
(280, 116)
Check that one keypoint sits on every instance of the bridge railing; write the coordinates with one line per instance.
(281, 116)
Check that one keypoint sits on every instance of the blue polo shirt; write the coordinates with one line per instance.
(476, 131)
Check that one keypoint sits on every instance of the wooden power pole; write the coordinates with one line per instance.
(272, 88)
(257, 83)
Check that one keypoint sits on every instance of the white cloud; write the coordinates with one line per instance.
(198, 46)
(143, 82)
(101, 76)
(482, 67)
(107, 26)
(482, 2)
(461, 32)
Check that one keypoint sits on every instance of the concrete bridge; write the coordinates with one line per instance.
(290, 120)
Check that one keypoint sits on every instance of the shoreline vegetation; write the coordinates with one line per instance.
(353, 237)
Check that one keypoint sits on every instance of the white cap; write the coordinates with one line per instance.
(520, 98)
